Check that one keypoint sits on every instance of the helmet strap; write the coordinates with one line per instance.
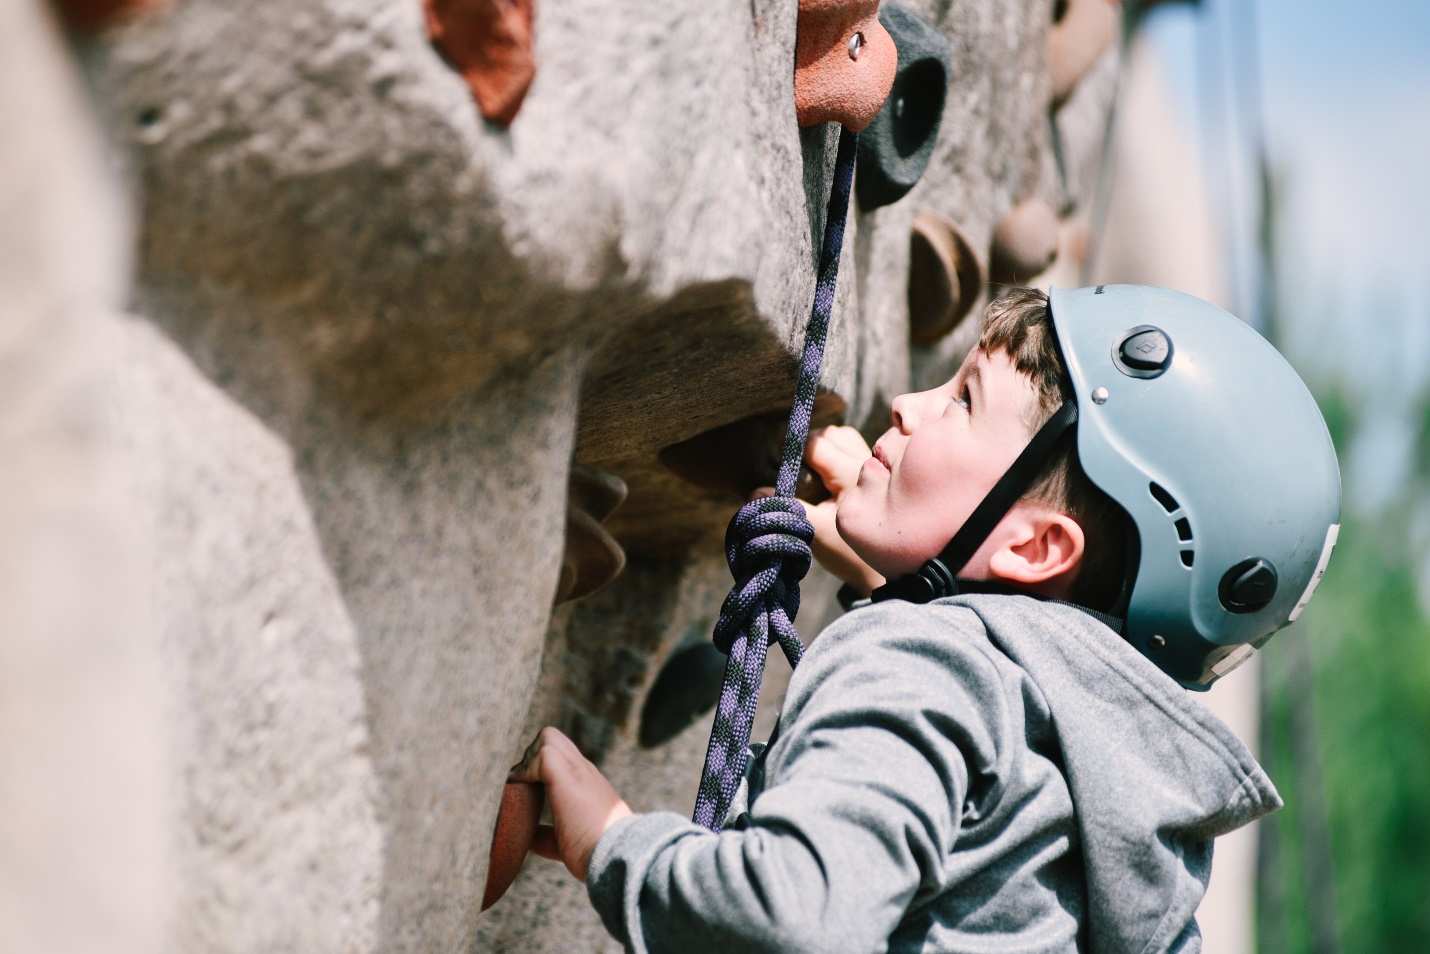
(938, 576)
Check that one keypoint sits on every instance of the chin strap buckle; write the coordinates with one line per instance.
(929, 582)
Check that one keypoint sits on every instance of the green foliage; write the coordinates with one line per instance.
(1367, 747)
(1422, 438)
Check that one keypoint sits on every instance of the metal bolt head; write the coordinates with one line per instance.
(1159, 641)
(1099, 395)
(856, 45)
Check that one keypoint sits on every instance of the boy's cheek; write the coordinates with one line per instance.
(842, 511)
(848, 524)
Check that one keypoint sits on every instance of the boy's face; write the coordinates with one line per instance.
(946, 449)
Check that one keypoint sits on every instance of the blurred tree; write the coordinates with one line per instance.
(1346, 704)
(1370, 680)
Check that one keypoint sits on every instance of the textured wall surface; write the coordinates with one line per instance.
(373, 334)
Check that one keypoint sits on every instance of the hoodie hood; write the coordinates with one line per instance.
(1154, 776)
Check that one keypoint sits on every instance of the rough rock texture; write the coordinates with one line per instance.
(278, 808)
(376, 334)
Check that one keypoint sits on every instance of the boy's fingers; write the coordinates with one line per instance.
(533, 764)
(850, 441)
(825, 458)
(556, 741)
(838, 472)
(543, 843)
(527, 770)
(821, 516)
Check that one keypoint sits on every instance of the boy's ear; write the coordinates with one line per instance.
(1043, 546)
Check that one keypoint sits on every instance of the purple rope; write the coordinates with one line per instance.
(767, 543)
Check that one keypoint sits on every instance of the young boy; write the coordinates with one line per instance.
(1012, 765)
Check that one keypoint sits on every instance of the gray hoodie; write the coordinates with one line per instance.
(985, 773)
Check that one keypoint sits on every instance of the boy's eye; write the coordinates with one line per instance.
(963, 399)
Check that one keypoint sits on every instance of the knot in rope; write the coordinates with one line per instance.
(767, 545)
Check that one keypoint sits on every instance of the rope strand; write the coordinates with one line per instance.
(767, 543)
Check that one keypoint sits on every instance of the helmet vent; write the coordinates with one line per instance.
(1159, 493)
(1179, 520)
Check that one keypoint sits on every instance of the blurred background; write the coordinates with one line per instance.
(1312, 131)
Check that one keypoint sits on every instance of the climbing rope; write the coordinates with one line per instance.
(768, 544)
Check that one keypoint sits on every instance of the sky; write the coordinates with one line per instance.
(1346, 94)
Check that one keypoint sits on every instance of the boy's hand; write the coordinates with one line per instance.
(835, 454)
(583, 803)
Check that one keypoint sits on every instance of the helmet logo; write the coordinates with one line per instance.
(1143, 352)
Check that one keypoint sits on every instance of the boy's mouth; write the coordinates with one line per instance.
(882, 457)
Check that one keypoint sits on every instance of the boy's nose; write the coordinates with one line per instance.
(903, 414)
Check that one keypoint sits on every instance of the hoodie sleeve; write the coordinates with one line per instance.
(889, 716)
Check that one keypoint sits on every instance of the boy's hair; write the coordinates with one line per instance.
(1019, 324)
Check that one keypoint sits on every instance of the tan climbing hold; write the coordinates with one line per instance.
(86, 16)
(1024, 243)
(844, 63)
(517, 819)
(490, 43)
(945, 278)
(593, 558)
(1085, 30)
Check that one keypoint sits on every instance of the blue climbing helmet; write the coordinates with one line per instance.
(1203, 433)
(1198, 428)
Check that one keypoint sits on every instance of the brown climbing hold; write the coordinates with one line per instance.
(1024, 243)
(844, 63)
(733, 459)
(593, 558)
(86, 16)
(490, 43)
(517, 818)
(1085, 29)
(945, 278)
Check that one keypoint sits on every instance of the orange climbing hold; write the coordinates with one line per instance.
(844, 63)
(517, 818)
(88, 15)
(490, 43)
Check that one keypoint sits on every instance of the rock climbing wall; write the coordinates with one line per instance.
(458, 330)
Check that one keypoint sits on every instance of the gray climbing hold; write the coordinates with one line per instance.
(896, 146)
(687, 688)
